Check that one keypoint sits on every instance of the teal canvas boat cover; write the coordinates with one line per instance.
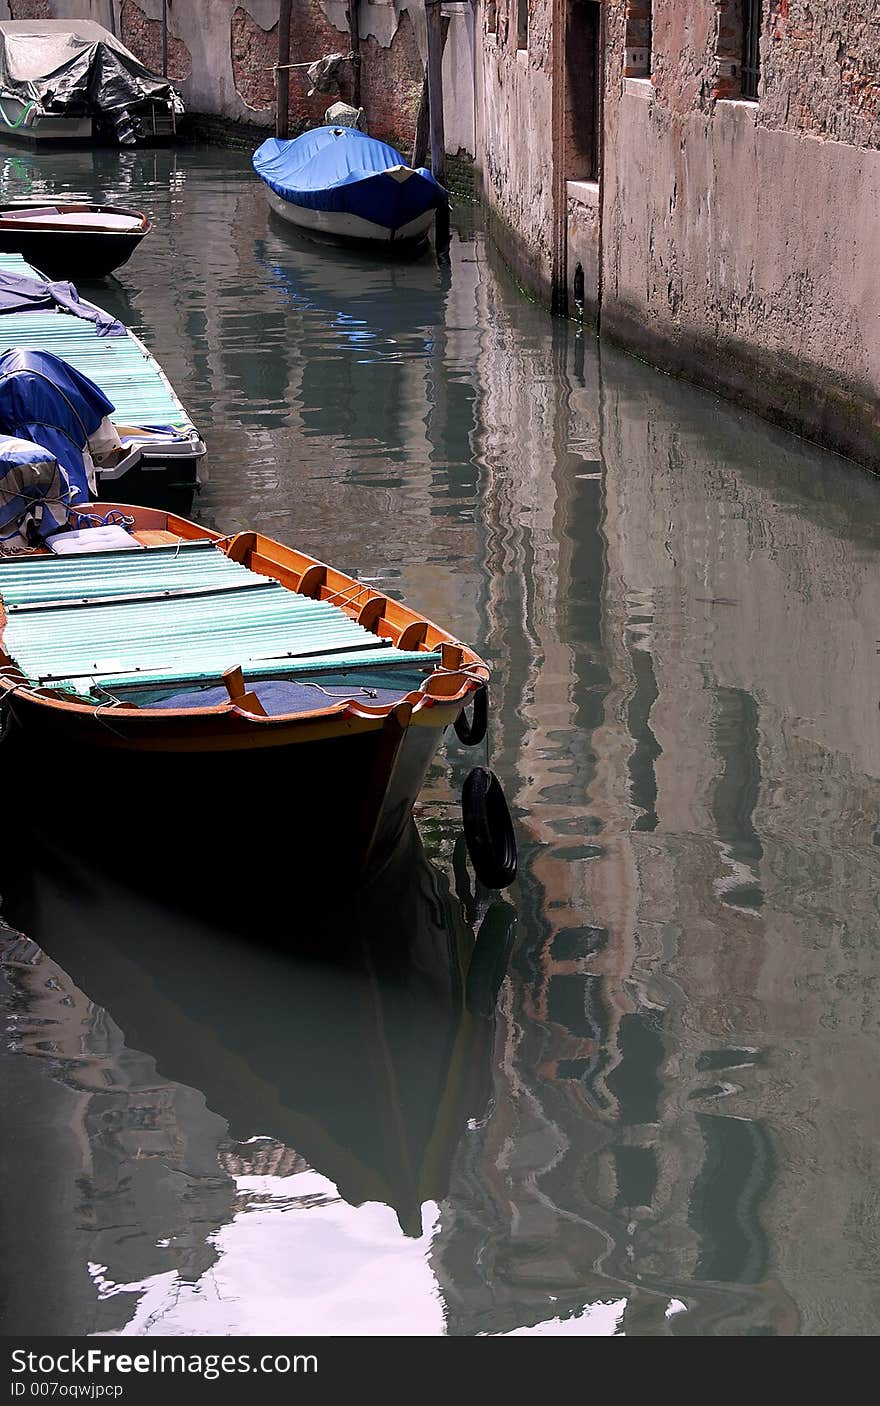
(171, 615)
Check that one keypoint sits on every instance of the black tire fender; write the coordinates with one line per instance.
(488, 829)
(472, 733)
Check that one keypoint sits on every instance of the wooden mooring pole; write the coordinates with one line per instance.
(354, 38)
(282, 72)
(434, 70)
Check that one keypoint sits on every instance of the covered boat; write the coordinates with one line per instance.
(71, 239)
(160, 448)
(295, 708)
(338, 183)
(70, 80)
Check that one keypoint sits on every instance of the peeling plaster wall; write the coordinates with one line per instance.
(213, 43)
(740, 240)
(734, 242)
(514, 139)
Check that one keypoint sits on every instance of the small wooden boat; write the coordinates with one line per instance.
(286, 700)
(71, 240)
(337, 183)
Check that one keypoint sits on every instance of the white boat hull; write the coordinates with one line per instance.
(16, 124)
(334, 224)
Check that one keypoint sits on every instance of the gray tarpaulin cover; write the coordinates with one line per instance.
(76, 67)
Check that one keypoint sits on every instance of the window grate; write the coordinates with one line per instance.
(751, 56)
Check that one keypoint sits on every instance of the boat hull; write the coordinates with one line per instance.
(323, 799)
(168, 477)
(340, 227)
(20, 123)
(71, 253)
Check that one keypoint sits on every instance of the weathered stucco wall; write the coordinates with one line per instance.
(221, 54)
(514, 139)
(740, 239)
(729, 240)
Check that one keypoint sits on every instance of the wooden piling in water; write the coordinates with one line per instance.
(282, 71)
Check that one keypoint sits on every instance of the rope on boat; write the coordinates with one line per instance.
(13, 126)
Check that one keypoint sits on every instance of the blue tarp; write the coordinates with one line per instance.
(44, 399)
(343, 170)
(18, 293)
(30, 484)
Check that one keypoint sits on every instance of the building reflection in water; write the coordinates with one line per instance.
(663, 1123)
(213, 1074)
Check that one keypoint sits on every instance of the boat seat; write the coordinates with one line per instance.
(30, 213)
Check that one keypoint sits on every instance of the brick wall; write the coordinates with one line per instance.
(637, 55)
(30, 10)
(391, 86)
(822, 69)
(311, 37)
(144, 37)
(254, 51)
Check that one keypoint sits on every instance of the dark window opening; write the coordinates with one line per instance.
(583, 96)
(751, 49)
(492, 17)
(639, 39)
(522, 24)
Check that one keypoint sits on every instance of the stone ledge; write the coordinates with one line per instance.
(583, 193)
(639, 88)
(742, 105)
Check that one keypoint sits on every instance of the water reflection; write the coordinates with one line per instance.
(217, 1078)
(675, 1131)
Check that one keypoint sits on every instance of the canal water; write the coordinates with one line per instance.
(637, 1094)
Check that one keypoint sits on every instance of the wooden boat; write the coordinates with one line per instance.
(337, 183)
(179, 662)
(162, 448)
(71, 240)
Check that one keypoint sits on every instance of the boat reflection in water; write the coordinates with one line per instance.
(356, 1046)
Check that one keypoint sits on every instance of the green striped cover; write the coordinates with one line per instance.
(123, 369)
(189, 613)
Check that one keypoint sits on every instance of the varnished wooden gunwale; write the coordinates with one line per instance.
(227, 726)
(7, 208)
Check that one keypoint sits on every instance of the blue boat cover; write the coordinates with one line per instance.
(287, 696)
(343, 170)
(47, 401)
(18, 293)
(31, 486)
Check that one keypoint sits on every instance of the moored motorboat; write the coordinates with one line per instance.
(71, 80)
(158, 657)
(160, 447)
(340, 184)
(65, 239)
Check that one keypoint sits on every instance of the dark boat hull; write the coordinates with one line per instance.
(71, 239)
(168, 481)
(328, 810)
(71, 253)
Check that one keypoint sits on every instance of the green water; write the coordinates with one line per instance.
(643, 1103)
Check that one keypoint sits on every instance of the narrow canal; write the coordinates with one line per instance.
(645, 1102)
